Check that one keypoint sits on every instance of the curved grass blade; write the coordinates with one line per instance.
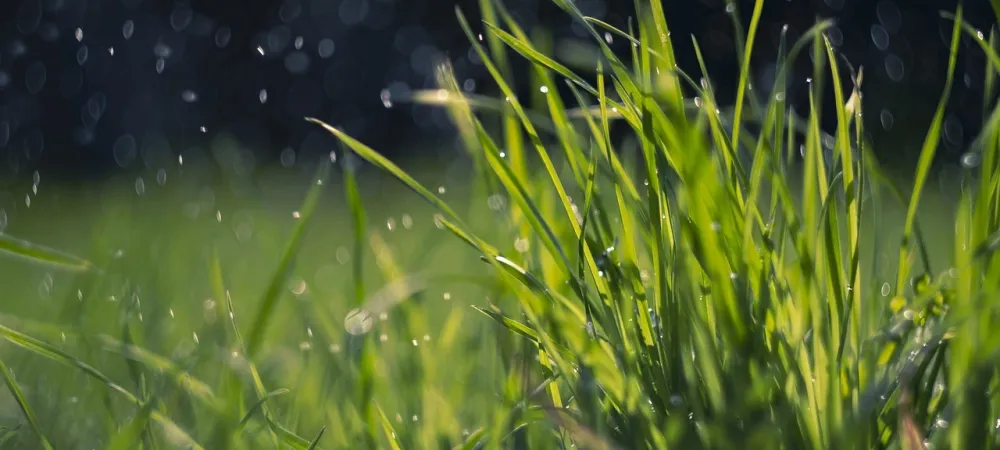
(127, 438)
(390, 433)
(259, 404)
(15, 390)
(315, 442)
(42, 255)
(275, 287)
(173, 432)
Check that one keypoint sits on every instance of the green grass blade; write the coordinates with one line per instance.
(29, 414)
(315, 442)
(39, 254)
(274, 289)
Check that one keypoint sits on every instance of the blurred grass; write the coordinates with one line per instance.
(552, 287)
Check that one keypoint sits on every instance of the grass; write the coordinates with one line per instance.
(698, 289)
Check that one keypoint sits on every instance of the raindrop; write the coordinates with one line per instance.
(124, 150)
(260, 50)
(386, 98)
(29, 15)
(971, 160)
(262, 96)
(731, 7)
(81, 55)
(180, 18)
(358, 322)
(162, 50)
(894, 67)
(140, 186)
(887, 119)
(289, 11)
(297, 62)
(469, 85)
(544, 89)
(326, 48)
(953, 131)
(78, 34)
(128, 29)
(889, 15)
(608, 37)
(222, 36)
(161, 177)
(160, 65)
(189, 96)
(880, 37)
(442, 190)
(836, 36)
(299, 41)
(35, 76)
(885, 289)
(287, 157)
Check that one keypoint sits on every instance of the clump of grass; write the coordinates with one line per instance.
(700, 290)
(694, 298)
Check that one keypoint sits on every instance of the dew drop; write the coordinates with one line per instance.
(358, 322)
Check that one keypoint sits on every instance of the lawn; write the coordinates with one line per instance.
(549, 288)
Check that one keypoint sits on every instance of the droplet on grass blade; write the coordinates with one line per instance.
(358, 322)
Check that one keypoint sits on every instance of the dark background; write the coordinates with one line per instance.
(94, 87)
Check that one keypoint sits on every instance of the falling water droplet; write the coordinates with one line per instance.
(128, 29)
(262, 96)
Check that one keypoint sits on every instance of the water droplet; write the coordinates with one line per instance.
(222, 36)
(296, 215)
(894, 67)
(298, 42)
(608, 37)
(730, 7)
(442, 190)
(880, 37)
(78, 34)
(140, 186)
(287, 157)
(297, 62)
(128, 28)
(260, 50)
(81, 55)
(161, 177)
(262, 96)
(180, 18)
(446, 296)
(885, 289)
(124, 150)
(333, 156)
(971, 160)
(189, 96)
(779, 97)
(160, 65)
(326, 48)
(358, 322)
(889, 15)
(390, 224)
(162, 50)
(35, 76)
(887, 120)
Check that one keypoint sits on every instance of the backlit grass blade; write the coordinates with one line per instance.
(538, 58)
(259, 405)
(39, 254)
(265, 311)
(171, 430)
(390, 433)
(315, 442)
(131, 433)
(927, 155)
(29, 414)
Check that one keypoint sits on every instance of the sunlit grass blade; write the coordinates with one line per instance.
(39, 254)
(277, 284)
(315, 441)
(259, 405)
(390, 433)
(128, 437)
(22, 403)
(172, 431)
